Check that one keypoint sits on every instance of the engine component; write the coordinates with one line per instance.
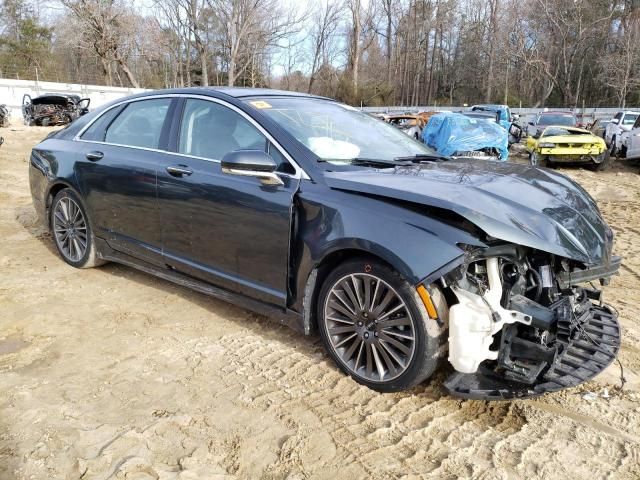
(475, 319)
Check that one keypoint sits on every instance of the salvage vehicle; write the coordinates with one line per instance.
(458, 135)
(622, 122)
(567, 145)
(4, 116)
(53, 109)
(505, 119)
(409, 124)
(630, 142)
(330, 221)
(546, 119)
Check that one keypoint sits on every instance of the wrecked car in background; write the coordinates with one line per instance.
(53, 109)
(460, 136)
(389, 250)
(547, 119)
(411, 125)
(4, 116)
(504, 118)
(567, 145)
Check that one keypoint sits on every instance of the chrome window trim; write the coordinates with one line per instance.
(300, 173)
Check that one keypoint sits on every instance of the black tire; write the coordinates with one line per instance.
(429, 335)
(537, 161)
(89, 257)
(604, 164)
(613, 151)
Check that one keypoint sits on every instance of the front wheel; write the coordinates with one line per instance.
(377, 329)
(72, 231)
(536, 160)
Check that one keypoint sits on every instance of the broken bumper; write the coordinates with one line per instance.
(591, 343)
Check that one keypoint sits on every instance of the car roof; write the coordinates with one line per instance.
(235, 92)
(556, 112)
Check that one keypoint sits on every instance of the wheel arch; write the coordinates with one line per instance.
(55, 188)
(328, 263)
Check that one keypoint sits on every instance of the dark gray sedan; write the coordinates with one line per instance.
(331, 221)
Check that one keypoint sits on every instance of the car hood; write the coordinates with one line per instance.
(576, 139)
(528, 206)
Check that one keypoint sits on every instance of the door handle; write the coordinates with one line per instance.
(179, 170)
(94, 156)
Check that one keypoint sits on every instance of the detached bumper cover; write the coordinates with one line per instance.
(591, 346)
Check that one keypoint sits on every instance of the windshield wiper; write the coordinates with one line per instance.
(368, 162)
(422, 157)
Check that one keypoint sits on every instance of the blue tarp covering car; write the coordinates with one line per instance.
(459, 136)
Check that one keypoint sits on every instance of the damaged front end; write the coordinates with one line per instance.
(526, 323)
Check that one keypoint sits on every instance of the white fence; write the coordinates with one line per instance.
(12, 91)
(587, 113)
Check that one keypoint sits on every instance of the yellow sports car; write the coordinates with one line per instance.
(558, 144)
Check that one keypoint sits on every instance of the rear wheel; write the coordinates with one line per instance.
(375, 327)
(72, 232)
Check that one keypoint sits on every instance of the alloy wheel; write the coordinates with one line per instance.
(70, 229)
(369, 327)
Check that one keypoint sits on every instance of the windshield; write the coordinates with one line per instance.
(568, 120)
(338, 133)
(629, 119)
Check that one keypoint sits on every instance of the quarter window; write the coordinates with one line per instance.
(139, 124)
(98, 129)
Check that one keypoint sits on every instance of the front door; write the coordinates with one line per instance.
(116, 172)
(231, 231)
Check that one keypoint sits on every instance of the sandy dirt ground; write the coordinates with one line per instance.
(108, 373)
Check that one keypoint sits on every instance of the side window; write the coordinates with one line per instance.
(618, 116)
(139, 124)
(98, 129)
(210, 130)
(637, 124)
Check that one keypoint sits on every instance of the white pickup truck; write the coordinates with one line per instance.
(622, 122)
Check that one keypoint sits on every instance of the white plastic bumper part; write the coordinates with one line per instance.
(472, 326)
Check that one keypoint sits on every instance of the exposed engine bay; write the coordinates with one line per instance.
(53, 109)
(525, 323)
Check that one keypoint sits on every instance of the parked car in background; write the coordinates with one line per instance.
(545, 119)
(622, 122)
(598, 127)
(409, 124)
(505, 119)
(567, 145)
(314, 213)
(630, 142)
(53, 109)
(458, 135)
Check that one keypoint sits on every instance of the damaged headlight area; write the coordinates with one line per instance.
(526, 323)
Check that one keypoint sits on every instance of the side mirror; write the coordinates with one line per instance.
(531, 123)
(251, 163)
(615, 120)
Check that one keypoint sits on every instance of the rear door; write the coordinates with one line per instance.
(232, 231)
(117, 172)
